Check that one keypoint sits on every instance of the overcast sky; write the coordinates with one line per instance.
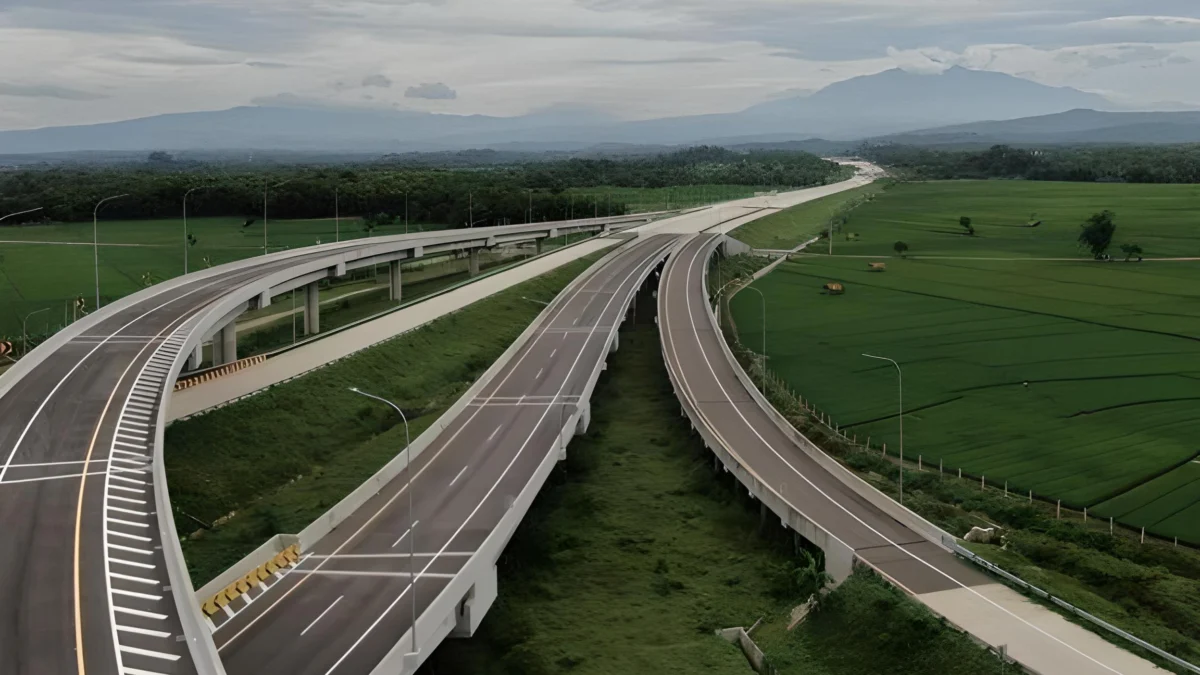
(84, 61)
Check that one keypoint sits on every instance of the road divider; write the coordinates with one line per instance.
(261, 577)
(219, 372)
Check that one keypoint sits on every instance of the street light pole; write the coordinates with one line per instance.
(96, 241)
(185, 227)
(25, 334)
(406, 212)
(337, 216)
(412, 535)
(900, 381)
(21, 213)
(265, 188)
(763, 361)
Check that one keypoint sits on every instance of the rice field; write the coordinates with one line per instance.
(1023, 361)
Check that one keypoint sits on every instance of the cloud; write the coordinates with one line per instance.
(435, 91)
(270, 65)
(47, 91)
(1142, 21)
(657, 62)
(377, 80)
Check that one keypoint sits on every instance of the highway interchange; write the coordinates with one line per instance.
(83, 580)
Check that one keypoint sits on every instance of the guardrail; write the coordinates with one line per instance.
(1066, 606)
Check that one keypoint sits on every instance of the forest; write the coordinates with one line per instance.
(1116, 164)
(393, 187)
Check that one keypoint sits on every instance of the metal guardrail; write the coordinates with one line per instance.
(1066, 606)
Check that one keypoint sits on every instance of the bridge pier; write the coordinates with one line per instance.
(195, 358)
(473, 263)
(394, 290)
(616, 343)
(224, 345)
(469, 613)
(541, 246)
(312, 308)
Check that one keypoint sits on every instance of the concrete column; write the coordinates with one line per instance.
(394, 290)
(541, 246)
(228, 340)
(473, 263)
(312, 308)
(616, 343)
(195, 358)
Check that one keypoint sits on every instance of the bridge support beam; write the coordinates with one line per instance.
(470, 611)
(312, 308)
(473, 263)
(224, 345)
(395, 293)
(616, 343)
(195, 358)
(541, 246)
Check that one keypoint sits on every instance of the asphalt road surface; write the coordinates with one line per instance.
(1035, 636)
(351, 599)
(83, 587)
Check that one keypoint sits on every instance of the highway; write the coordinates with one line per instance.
(351, 599)
(708, 384)
(84, 587)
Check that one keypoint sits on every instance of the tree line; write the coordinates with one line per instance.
(1140, 164)
(394, 188)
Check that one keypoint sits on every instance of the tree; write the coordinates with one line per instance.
(1097, 233)
(1132, 250)
(160, 157)
(900, 248)
(965, 221)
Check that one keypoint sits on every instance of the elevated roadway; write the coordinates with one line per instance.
(851, 522)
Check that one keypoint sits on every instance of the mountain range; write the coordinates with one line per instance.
(889, 102)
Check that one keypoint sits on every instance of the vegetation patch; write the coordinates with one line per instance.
(791, 227)
(274, 462)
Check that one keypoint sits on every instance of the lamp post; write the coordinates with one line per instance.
(25, 334)
(185, 227)
(265, 188)
(21, 213)
(406, 212)
(412, 535)
(96, 241)
(337, 215)
(900, 381)
(763, 361)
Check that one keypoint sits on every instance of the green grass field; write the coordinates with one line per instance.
(1110, 351)
(643, 200)
(792, 227)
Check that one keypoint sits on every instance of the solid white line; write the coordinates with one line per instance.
(130, 549)
(143, 631)
(349, 573)
(132, 438)
(704, 353)
(130, 445)
(131, 594)
(127, 523)
(493, 434)
(554, 352)
(145, 566)
(37, 480)
(539, 373)
(127, 499)
(133, 424)
(151, 654)
(564, 302)
(131, 453)
(321, 615)
(126, 460)
(129, 511)
(415, 523)
(130, 536)
(126, 670)
(504, 473)
(129, 480)
(138, 612)
(368, 556)
(460, 473)
(126, 489)
(136, 580)
(36, 464)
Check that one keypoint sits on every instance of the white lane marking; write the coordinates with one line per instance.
(564, 303)
(122, 488)
(145, 566)
(554, 352)
(127, 523)
(152, 654)
(126, 460)
(143, 631)
(38, 464)
(130, 536)
(704, 353)
(138, 612)
(321, 615)
(126, 670)
(539, 374)
(415, 523)
(132, 423)
(127, 499)
(354, 556)
(460, 473)
(136, 446)
(131, 594)
(136, 580)
(127, 479)
(131, 438)
(349, 573)
(637, 268)
(129, 549)
(493, 434)
(79, 363)
(129, 511)
(37, 480)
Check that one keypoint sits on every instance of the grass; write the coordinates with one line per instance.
(1074, 379)
(791, 227)
(35, 276)
(643, 200)
(1147, 588)
(274, 462)
(590, 584)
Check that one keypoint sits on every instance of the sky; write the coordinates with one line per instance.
(88, 61)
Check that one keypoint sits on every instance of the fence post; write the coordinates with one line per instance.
(885, 449)
(960, 473)
(1085, 514)
(1143, 535)
(1031, 496)
(1058, 510)
(1005, 488)
(919, 463)
(983, 482)
(1110, 525)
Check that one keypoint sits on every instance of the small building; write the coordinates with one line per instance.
(834, 288)
(877, 266)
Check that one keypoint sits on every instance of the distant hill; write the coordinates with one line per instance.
(889, 102)
(1074, 127)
